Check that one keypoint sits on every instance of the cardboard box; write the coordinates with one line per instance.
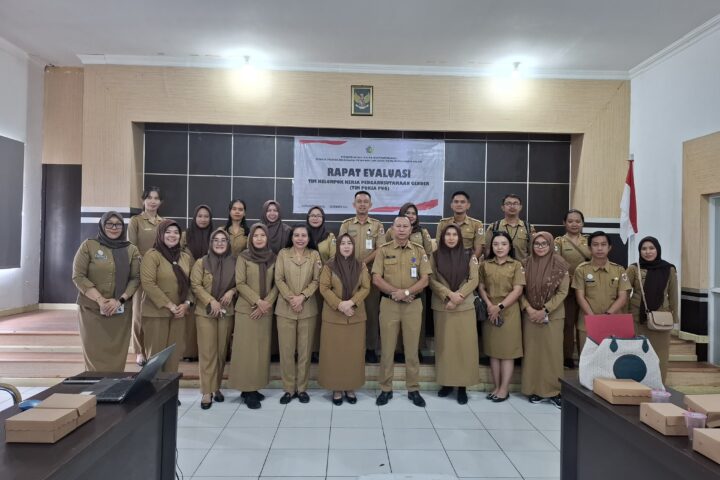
(40, 425)
(621, 392)
(84, 404)
(707, 442)
(707, 404)
(666, 418)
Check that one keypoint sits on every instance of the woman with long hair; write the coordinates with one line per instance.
(106, 272)
(501, 284)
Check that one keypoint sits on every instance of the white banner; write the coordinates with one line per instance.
(328, 172)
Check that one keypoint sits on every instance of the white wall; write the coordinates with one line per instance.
(21, 113)
(675, 100)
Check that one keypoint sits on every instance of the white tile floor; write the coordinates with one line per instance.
(320, 441)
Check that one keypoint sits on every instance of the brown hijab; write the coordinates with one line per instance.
(278, 233)
(222, 267)
(198, 239)
(172, 255)
(543, 274)
(264, 258)
(119, 249)
(452, 263)
(348, 269)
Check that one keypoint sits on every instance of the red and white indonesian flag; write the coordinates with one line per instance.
(628, 207)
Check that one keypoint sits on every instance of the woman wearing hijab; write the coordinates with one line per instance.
(661, 292)
(164, 274)
(501, 284)
(237, 226)
(322, 240)
(297, 271)
(106, 271)
(195, 241)
(454, 279)
(255, 283)
(213, 285)
(278, 232)
(344, 284)
(547, 285)
(141, 233)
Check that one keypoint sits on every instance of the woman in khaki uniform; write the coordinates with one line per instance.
(164, 273)
(573, 247)
(141, 233)
(453, 282)
(297, 271)
(322, 240)
(501, 283)
(344, 284)
(255, 283)
(547, 284)
(195, 241)
(236, 226)
(661, 292)
(278, 232)
(213, 285)
(106, 271)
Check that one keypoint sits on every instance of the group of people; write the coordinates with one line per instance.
(249, 292)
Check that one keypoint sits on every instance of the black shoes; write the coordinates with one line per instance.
(219, 397)
(416, 399)
(535, 399)
(462, 397)
(303, 397)
(252, 399)
(384, 398)
(497, 399)
(286, 398)
(351, 399)
(489, 396)
(556, 401)
(371, 356)
(208, 404)
(337, 400)
(445, 391)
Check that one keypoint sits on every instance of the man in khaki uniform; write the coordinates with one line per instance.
(473, 231)
(601, 286)
(400, 273)
(520, 232)
(367, 233)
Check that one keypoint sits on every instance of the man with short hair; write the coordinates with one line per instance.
(400, 272)
(367, 233)
(520, 232)
(601, 286)
(473, 232)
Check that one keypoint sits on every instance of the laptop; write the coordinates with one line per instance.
(115, 390)
(600, 327)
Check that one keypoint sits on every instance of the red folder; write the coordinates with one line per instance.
(600, 327)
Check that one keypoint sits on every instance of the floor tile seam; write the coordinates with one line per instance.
(277, 428)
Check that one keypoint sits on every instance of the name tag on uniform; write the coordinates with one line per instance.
(120, 310)
(413, 272)
(368, 244)
(100, 255)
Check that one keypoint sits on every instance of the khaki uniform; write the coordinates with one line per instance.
(456, 346)
(600, 287)
(395, 265)
(421, 238)
(105, 340)
(142, 231)
(342, 346)
(542, 359)
(518, 233)
(160, 328)
(574, 255)
(213, 334)
(250, 363)
(191, 334)
(503, 342)
(296, 330)
(473, 232)
(326, 249)
(367, 236)
(238, 241)
(660, 341)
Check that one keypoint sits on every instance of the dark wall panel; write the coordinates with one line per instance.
(465, 161)
(507, 161)
(210, 154)
(61, 232)
(12, 162)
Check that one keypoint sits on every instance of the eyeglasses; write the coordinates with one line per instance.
(220, 240)
(541, 244)
(113, 226)
(512, 204)
(315, 215)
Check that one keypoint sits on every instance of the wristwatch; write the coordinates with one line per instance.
(501, 306)
(189, 303)
(121, 300)
(407, 293)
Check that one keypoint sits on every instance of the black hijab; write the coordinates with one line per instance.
(656, 279)
(317, 234)
(452, 263)
(198, 239)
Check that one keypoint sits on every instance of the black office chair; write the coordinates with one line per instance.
(14, 392)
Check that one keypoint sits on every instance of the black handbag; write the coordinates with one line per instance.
(481, 312)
